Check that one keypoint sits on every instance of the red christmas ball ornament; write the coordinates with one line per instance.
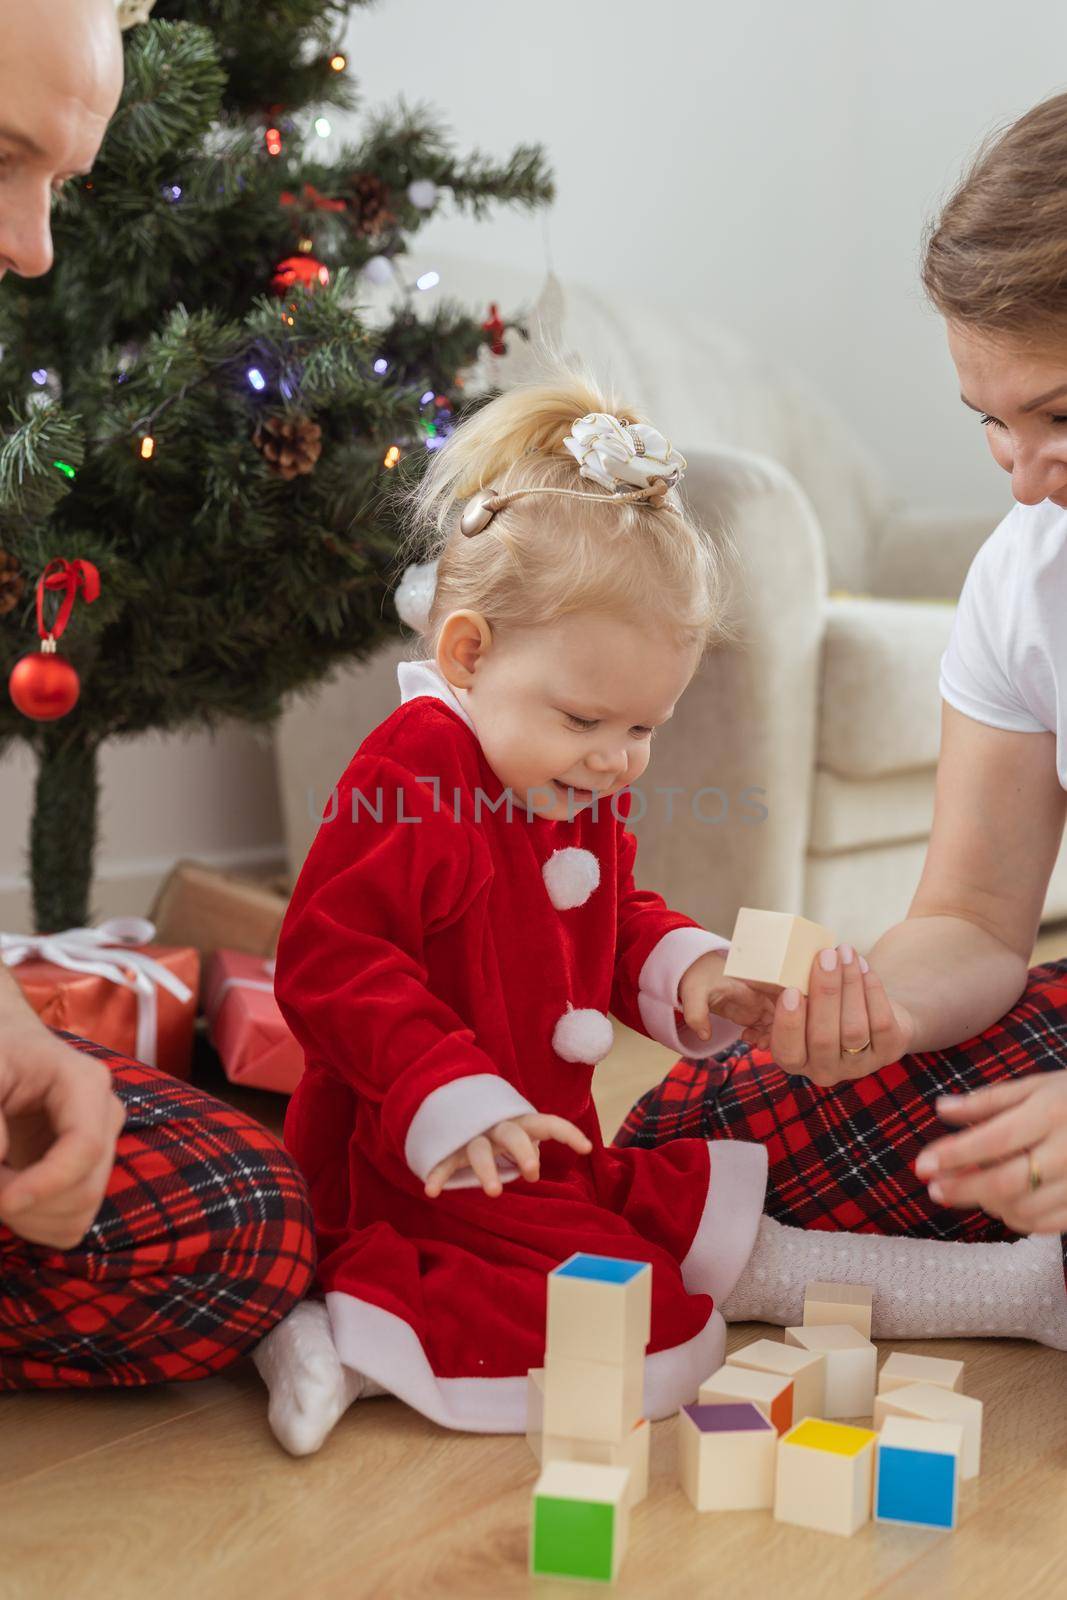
(494, 326)
(44, 685)
(299, 271)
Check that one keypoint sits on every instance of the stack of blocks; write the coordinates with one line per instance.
(765, 1432)
(586, 1419)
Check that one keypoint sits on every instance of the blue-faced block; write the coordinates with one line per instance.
(917, 1472)
(599, 1309)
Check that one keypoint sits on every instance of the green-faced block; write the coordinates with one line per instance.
(579, 1521)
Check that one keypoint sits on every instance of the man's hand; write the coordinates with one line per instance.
(517, 1137)
(702, 989)
(59, 1124)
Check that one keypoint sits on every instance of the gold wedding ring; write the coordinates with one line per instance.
(1035, 1172)
(857, 1050)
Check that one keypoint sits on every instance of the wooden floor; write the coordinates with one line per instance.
(180, 1490)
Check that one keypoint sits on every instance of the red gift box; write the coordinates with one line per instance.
(245, 1025)
(112, 985)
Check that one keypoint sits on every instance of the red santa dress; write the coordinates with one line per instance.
(448, 959)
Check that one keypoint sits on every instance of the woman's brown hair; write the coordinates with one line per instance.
(996, 257)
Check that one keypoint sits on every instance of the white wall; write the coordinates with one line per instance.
(772, 159)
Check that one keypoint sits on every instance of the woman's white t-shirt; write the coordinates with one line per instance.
(1006, 662)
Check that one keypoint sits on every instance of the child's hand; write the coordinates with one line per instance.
(703, 988)
(517, 1137)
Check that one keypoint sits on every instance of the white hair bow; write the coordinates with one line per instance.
(619, 454)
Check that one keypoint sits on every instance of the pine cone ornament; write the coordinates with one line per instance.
(370, 205)
(12, 583)
(289, 445)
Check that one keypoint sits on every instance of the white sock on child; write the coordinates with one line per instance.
(310, 1388)
(923, 1288)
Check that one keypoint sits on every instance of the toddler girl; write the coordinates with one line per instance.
(466, 918)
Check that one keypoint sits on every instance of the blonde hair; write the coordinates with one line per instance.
(996, 257)
(546, 556)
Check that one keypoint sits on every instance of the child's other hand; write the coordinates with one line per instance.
(517, 1137)
(703, 988)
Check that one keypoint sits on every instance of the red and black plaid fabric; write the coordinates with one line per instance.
(204, 1241)
(842, 1158)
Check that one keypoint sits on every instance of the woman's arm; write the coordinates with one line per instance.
(960, 958)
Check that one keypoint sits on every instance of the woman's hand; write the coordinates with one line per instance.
(59, 1123)
(1018, 1129)
(518, 1137)
(846, 1006)
(702, 989)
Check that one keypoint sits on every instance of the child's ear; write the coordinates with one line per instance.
(464, 638)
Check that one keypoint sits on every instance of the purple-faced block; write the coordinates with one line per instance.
(742, 1417)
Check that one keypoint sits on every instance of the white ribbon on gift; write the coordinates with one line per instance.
(213, 1001)
(105, 951)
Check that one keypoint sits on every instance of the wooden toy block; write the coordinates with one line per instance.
(726, 1457)
(839, 1302)
(580, 1521)
(535, 1408)
(917, 1472)
(901, 1370)
(631, 1452)
(599, 1309)
(807, 1368)
(593, 1399)
(771, 1392)
(931, 1404)
(775, 947)
(851, 1361)
(824, 1476)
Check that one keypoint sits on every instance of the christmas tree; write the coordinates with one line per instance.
(197, 407)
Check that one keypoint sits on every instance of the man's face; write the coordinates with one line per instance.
(60, 81)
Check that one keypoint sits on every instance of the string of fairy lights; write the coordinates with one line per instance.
(304, 270)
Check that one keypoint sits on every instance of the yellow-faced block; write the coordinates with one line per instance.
(825, 1476)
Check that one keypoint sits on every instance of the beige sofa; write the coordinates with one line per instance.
(804, 758)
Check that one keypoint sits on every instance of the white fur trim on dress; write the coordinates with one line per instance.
(657, 993)
(455, 1113)
(384, 1347)
(416, 678)
(726, 1235)
(584, 1036)
(570, 877)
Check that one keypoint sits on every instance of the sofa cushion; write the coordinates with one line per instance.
(880, 706)
(852, 813)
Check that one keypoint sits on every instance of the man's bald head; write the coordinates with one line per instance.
(60, 81)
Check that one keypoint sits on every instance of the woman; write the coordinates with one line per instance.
(944, 1001)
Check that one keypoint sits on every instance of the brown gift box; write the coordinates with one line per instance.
(214, 910)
